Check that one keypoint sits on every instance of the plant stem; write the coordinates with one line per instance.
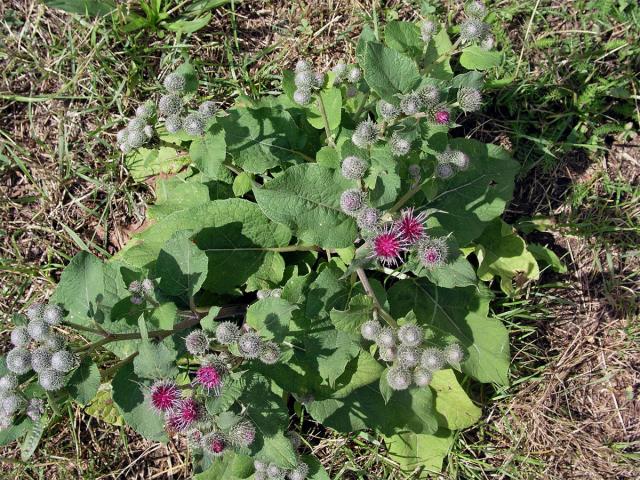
(325, 120)
(405, 198)
(376, 304)
(443, 57)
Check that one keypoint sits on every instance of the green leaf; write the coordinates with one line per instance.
(189, 26)
(458, 314)
(328, 157)
(501, 252)
(316, 470)
(232, 391)
(234, 234)
(242, 184)
(476, 58)
(15, 431)
(271, 317)
(403, 37)
(84, 382)
(458, 272)
(91, 8)
(174, 194)
(454, 408)
(548, 256)
(231, 466)
(182, 266)
(33, 437)
(383, 178)
(260, 139)
(332, 99)
(350, 320)
(306, 198)
(470, 200)
(144, 162)
(103, 408)
(440, 45)
(388, 72)
(208, 323)
(209, 152)
(420, 451)
(156, 360)
(129, 396)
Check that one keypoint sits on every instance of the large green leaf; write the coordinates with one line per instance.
(470, 200)
(332, 99)
(306, 198)
(103, 408)
(458, 313)
(33, 437)
(350, 320)
(388, 72)
(458, 272)
(92, 8)
(501, 252)
(231, 466)
(437, 49)
(260, 139)
(454, 408)
(182, 266)
(271, 317)
(128, 394)
(403, 37)
(156, 360)
(173, 194)
(234, 234)
(476, 58)
(145, 162)
(84, 382)
(415, 451)
(209, 152)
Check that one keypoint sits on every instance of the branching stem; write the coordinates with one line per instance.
(325, 120)
(376, 304)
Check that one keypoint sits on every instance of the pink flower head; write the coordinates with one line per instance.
(165, 395)
(184, 415)
(411, 226)
(442, 117)
(215, 443)
(387, 245)
(210, 378)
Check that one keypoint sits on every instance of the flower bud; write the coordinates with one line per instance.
(12, 403)
(427, 30)
(20, 337)
(52, 314)
(175, 83)
(146, 110)
(368, 218)
(270, 353)
(422, 377)
(275, 472)
(472, 29)
(170, 105)
(207, 109)
(41, 359)
(354, 168)
(260, 465)
(5, 422)
(34, 312)
(469, 99)
(442, 116)
(387, 110)
(136, 138)
(399, 378)
(410, 104)
(444, 170)
(366, 134)
(488, 42)
(19, 361)
(475, 9)
(173, 123)
(386, 337)
(453, 354)
(370, 330)
(303, 65)
(148, 132)
(215, 443)
(250, 345)
(193, 124)
(432, 359)
(35, 409)
(459, 159)
(122, 135)
(354, 75)
(300, 472)
(8, 383)
(227, 333)
(351, 201)
(37, 329)
(51, 380)
(388, 354)
(340, 70)
(53, 342)
(302, 96)
(408, 357)
(63, 361)
(410, 335)
(433, 252)
(136, 124)
(415, 171)
(304, 79)
(242, 434)
(197, 342)
(429, 95)
(399, 146)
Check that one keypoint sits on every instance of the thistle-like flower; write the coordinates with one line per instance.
(175, 83)
(250, 345)
(340, 70)
(411, 226)
(302, 96)
(227, 333)
(351, 201)
(475, 9)
(275, 472)
(387, 246)
(20, 337)
(193, 124)
(51, 380)
(411, 335)
(146, 110)
(442, 116)
(35, 409)
(354, 168)
(304, 79)
(53, 342)
(408, 357)
(387, 110)
(148, 132)
(121, 136)
(370, 329)
(197, 342)
(19, 361)
(368, 218)
(300, 472)
(355, 74)
(12, 403)
(422, 377)
(164, 396)
(388, 354)
(185, 414)
(472, 29)
(303, 65)
(399, 146)
(366, 134)
(260, 465)
(433, 252)
(41, 359)
(35, 311)
(173, 123)
(136, 138)
(215, 443)
(242, 434)
(169, 105)
(429, 95)
(270, 353)
(410, 104)
(459, 159)
(427, 30)
(469, 99)
(52, 314)
(63, 361)
(488, 42)
(318, 80)
(207, 109)
(432, 359)
(399, 378)
(453, 354)
(136, 124)
(8, 383)
(386, 338)
(210, 377)
(444, 170)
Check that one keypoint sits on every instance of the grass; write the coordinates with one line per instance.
(568, 114)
